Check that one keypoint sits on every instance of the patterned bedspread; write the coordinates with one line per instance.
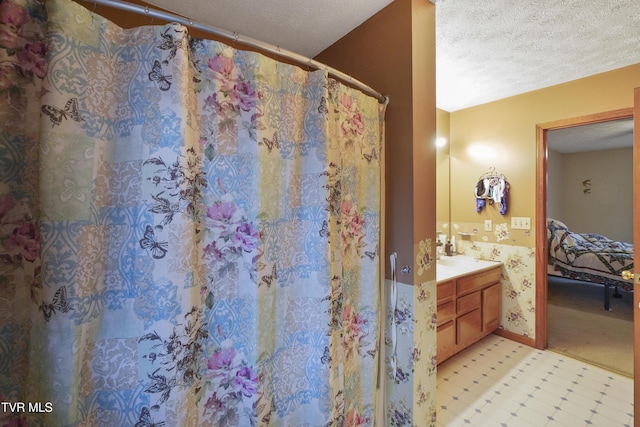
(587, 256)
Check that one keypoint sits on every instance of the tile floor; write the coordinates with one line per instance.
(502, 383)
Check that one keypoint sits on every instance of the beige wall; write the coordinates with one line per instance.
(607, 208)
(555, 180)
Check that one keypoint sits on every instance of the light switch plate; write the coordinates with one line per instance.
(488, 225)
(521, 223)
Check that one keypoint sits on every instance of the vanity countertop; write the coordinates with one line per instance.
(451, 267)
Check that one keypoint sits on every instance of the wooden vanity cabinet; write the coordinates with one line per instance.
(469, 308)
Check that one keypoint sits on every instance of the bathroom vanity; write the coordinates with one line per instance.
(469, 302)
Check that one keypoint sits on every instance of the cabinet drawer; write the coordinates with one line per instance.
(478, 281)
(446, 312)
(445, 291)
(468, 303)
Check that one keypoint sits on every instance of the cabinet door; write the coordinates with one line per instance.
(491, 309)
(469, 327)
(446, 341)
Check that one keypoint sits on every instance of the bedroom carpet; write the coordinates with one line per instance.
(578, 326)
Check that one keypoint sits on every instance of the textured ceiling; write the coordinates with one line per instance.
(303, 27)
(485, 50)
(597, 136)
(492, 49)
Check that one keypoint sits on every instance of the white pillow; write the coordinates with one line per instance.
(557, 223)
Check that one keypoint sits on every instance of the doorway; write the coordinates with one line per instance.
(590, 202)
(542, 130)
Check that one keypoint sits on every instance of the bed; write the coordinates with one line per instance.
(588, 257)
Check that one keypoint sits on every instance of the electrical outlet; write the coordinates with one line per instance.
(521, 223)
(488, 225)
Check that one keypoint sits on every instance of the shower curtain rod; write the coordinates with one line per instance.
(276, 50)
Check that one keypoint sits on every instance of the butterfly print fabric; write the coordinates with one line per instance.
(162, 81)
(190, 231)
(56, 115)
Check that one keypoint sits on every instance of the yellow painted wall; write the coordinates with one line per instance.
(508, 126)
(442, 172)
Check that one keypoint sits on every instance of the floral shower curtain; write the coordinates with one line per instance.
(188, 232)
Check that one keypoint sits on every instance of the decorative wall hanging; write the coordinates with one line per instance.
(492, 188)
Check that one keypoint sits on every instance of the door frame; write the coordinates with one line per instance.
(541, 210)
(636, 269)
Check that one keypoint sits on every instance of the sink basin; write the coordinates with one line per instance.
(456, 261)
(448, 267)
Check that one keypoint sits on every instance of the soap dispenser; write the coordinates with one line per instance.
(447, 248)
